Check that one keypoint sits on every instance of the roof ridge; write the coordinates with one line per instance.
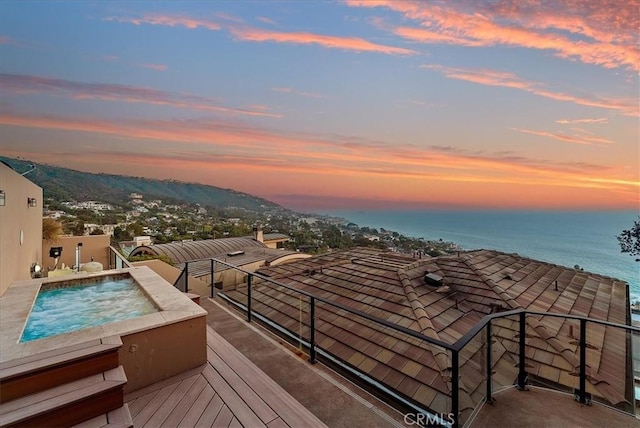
(426, 326)
(504, 294)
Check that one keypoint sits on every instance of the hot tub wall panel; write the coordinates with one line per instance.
(163, 352)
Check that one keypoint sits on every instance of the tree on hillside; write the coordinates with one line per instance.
(629, 240)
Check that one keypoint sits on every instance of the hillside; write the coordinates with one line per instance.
(68, 184)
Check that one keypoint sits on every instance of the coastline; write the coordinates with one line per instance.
(583, 239)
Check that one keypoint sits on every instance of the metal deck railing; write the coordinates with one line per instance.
(471, 356)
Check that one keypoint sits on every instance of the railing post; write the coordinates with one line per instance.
(455, 405)
(522, 373)
(489, 392)
(249, 278)
(312, 336)
(583, 361)
(212, 270)
(186, 277)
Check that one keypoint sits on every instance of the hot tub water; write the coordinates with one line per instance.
(65, 309)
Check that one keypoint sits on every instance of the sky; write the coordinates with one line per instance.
(354, 104)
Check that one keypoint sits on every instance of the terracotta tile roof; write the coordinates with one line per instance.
(392, 287)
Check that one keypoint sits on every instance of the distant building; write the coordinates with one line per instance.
(55, 215)
(142, 240)
(248, 252)
(94, 206)
(309, 220)
(106, 229)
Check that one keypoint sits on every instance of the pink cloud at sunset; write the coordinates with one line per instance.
(302, 38)
(266, 20)
(27, 84)
(608, 29)
(566, 138)
(168, 20)
(246, 33)
(286, 90)
(156, 67)
(586, 121)
(628, 107)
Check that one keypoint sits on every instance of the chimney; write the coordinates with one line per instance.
(257, 234)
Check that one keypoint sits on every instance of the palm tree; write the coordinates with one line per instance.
(51, 229)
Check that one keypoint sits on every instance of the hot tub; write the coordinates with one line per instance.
(66, 306)
(150, 340)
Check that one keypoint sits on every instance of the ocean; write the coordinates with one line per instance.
(567, 238)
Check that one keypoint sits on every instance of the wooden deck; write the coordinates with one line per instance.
(228, 391)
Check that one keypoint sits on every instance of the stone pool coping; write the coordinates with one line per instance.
(17, 301)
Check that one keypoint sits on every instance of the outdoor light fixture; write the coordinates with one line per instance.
(36, 271)
(2, 198)
(32, 202)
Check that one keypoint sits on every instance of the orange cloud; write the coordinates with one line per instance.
(566, 138)
(628, 107)
(244, 148)
(607, 30)
(168, 20)
(587, 121)
(302, 38)
(21, 83)
(245, 33)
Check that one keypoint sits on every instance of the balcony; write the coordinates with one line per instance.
(510, 356)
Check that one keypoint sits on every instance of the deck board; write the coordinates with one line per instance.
(224, 418)
(199, 406)
(229, 391)
(185, 403)
(211, 412)
(154, 405)
(170, 404)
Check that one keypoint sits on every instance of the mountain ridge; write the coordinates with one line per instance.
(68, 184)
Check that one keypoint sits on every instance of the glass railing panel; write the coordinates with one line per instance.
(609, 366)
(181, 282)
(289, 309)
(232, 283)
(601, 372)
(117, 260)
(635, 344)
(504, 352)
(473, 360)
(552, 358)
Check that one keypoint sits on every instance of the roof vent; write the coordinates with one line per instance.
(433, 279)
(235, 253)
